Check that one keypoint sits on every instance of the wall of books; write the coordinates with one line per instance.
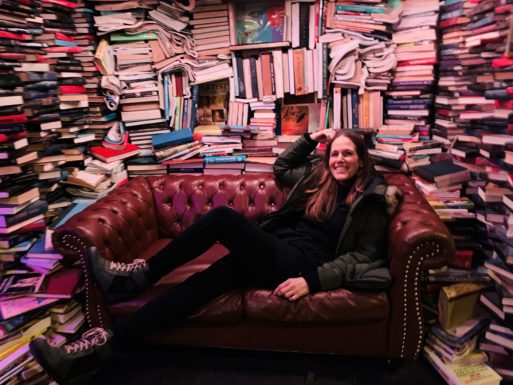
(95, 92)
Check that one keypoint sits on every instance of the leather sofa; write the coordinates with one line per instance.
(140, 217)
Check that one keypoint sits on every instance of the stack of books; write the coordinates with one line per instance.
(210, 28)
(410, 97)
(498, 340)
(451, 344)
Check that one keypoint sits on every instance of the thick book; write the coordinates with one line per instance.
(108, 155)
(462, 373)
(172, 138)
(61, 284)
(12, 307)
(439, 171)
(36, 208)
(21, 283)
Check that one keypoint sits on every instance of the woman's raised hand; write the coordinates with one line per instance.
(323, 136)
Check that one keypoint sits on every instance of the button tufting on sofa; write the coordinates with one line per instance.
(254, 318)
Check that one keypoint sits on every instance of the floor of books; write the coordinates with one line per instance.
(154, 364)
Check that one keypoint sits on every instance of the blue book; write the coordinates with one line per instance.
(172, 138)
(359, 8)
(64, 43)
(224, 159)
(166, 96)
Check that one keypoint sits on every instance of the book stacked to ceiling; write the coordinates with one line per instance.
(410, 97)
(451, 345)
(85, 40)
(361, 60)
(23, 95)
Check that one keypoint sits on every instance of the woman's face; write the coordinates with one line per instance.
(344, 161)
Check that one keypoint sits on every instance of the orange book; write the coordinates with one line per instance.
(299, 77)
(265, 59)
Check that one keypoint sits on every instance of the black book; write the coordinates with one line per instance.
(304, 16)
(437, 171)
(37, 208)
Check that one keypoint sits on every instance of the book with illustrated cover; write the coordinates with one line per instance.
(21, 283)
(213, 102)
(259, 22)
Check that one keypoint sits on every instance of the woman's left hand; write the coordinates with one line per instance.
(292, 289)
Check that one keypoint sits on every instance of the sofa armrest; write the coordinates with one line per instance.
(120, 225)
(418, 240)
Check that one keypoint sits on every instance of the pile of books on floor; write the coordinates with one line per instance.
(410, 97)
(452, 344)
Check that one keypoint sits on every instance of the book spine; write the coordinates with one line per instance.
(35, 209)
(304, 14)
(225, 159)
(194, 102)
(174, 150)
(240, 78)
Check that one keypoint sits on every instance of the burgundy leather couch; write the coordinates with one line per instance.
(142, 216)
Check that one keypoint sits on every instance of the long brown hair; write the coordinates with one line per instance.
(323, 197)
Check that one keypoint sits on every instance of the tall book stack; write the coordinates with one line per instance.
(410, 97)
(210, 28)
(86, 40)
(21, 212)
(361, 60)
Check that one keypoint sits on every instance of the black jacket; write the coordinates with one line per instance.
(360, 256)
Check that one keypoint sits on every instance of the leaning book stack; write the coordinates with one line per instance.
(410, 97)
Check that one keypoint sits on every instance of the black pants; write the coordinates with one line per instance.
(251, 262)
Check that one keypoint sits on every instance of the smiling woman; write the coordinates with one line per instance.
(330, 233)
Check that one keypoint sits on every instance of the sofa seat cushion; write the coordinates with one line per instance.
(224, 309)
(338, 305)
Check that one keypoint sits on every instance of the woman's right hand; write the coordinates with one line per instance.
(323, 136)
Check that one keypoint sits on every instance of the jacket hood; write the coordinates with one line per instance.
(391, 194)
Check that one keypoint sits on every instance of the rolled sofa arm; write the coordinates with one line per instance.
(120, 225)
(418, 240)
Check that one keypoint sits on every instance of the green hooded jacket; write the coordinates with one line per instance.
(360, 256)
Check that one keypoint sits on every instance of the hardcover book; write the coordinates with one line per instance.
(259, 22)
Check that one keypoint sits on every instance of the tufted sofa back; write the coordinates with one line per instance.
(180, 200)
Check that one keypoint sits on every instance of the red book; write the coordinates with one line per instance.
(178, 83)
(416, 62)
(63, 3)
(504, 8)
(10, 119)
(109, 155)
(61, 36)
(12, 56)
(12, 137)
(66, 90)
(14, 36)
(61, 284)
(502, 62)
(64, 49)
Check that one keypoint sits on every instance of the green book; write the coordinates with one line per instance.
(135, 37)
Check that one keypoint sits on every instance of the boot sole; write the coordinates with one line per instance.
(46, 366)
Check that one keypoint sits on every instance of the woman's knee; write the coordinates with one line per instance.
(225, 213)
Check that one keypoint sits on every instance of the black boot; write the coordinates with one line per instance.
(74, 363)
(118, 281)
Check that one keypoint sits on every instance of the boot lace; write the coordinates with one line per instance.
(93, 337)
(136, 265)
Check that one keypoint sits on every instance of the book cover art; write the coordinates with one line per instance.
(213, 102)
(294, 119)
(22, 283)
(259, 22)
